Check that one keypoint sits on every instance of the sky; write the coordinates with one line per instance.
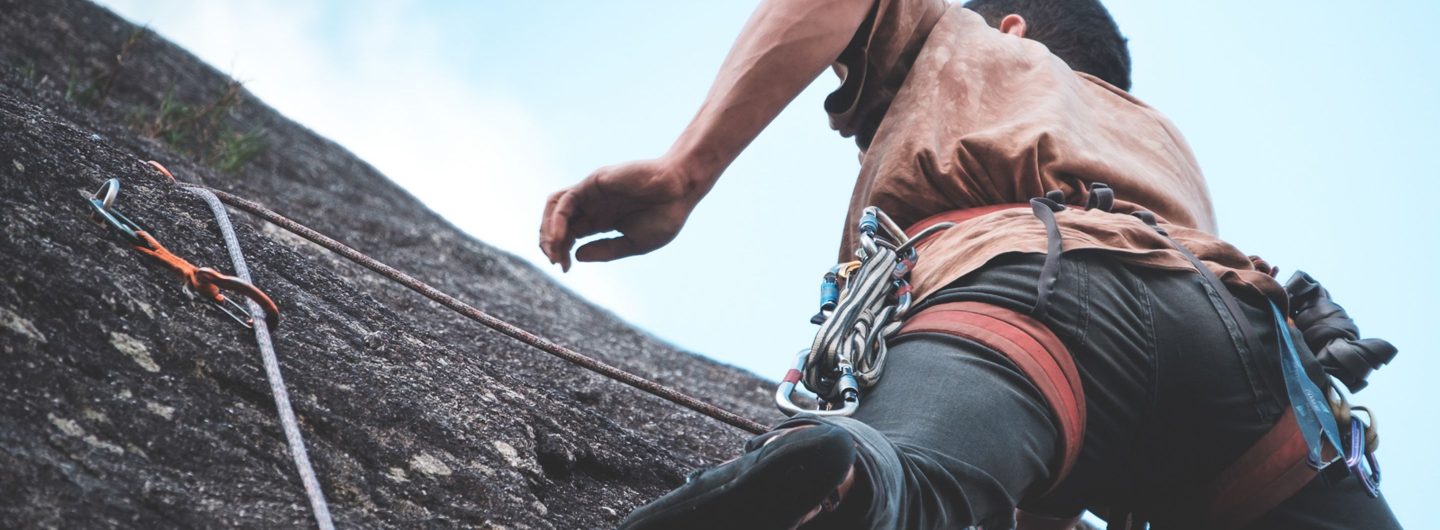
(1315, 124)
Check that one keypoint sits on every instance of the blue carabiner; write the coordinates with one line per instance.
(829, 298)
(869, 223)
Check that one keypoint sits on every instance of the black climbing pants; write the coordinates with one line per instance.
(954, 435)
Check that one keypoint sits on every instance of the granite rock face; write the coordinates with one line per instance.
(128, 404)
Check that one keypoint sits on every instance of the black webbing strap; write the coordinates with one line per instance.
(1045, 208)
(1101, 198)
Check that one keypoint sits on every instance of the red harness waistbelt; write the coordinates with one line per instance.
(1272, 470)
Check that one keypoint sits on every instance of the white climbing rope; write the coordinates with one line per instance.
(871, 307)
(272, 366)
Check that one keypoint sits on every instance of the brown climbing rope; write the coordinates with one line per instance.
(454, 304)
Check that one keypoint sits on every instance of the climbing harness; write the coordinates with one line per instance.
(1308, 440)
(204, 281)
(261, 315)
(1319, 434)
(856, 319)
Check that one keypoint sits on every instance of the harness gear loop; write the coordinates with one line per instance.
(1101, 197)
(207, 282)
(1045, 209)
(857, 318)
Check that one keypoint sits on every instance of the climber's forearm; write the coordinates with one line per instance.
(784, 46)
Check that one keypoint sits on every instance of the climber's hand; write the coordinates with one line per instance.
(645, 201)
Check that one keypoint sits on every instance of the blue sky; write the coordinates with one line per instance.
(1315, 123)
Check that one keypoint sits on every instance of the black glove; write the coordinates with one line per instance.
(1333, 335)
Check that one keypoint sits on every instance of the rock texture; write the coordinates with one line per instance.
(127, 404)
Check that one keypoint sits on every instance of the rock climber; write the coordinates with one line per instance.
(1158, 338)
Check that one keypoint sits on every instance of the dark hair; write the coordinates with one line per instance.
(1081, 32)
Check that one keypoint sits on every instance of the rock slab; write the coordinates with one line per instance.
(128, 404)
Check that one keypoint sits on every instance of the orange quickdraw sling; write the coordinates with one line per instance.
(207, 282)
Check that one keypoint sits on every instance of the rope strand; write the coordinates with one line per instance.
(454, 304)
(272, 368)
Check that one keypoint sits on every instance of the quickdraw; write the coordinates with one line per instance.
(209, 283)
(862, 304)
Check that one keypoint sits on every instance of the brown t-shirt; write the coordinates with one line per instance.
(953, 114)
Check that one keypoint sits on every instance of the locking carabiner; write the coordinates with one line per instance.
(848, 388)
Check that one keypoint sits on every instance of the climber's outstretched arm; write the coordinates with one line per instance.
(785, 45)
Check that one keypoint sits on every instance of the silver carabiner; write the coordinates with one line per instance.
(849, 390)
(102, 203)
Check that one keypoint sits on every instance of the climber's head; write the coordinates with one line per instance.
(1081, 32)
